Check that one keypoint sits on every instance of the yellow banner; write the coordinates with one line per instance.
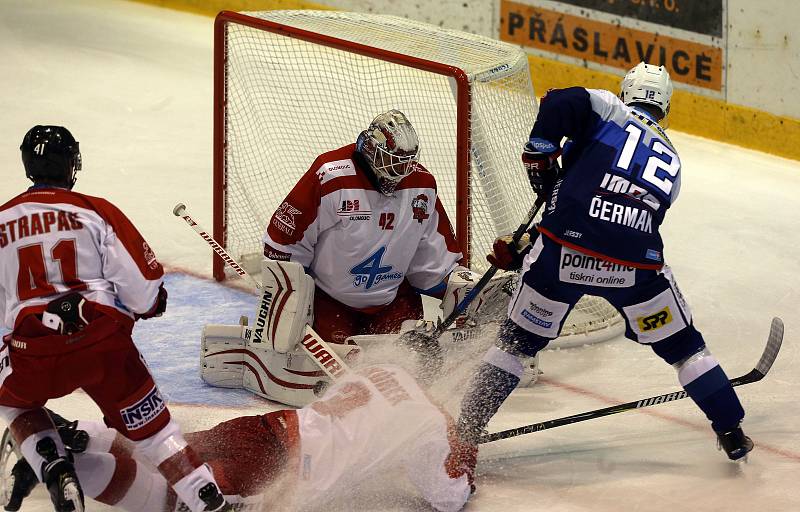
(610, 44)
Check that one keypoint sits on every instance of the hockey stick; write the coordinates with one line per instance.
(180, 211)
(483, 281)
(317, 348)
(756, 374)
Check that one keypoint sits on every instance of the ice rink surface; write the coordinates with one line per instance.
(134, 85)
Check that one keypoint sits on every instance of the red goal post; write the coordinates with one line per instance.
(289, 85)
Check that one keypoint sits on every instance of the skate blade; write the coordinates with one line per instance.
(72, 493)
(741, 460)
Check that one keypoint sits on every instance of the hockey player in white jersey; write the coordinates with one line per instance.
(371, 423)
(350, 251)
(599, 235)
(75, 275)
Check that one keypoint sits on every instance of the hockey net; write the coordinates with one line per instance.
(290, 85)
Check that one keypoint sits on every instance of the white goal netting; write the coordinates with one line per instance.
(294, 84)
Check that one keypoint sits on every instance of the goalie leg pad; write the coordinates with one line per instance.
(285, 305)
(229, 360)
(292, 378)
(222, 355)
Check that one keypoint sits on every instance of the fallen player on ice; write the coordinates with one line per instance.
(373, 421)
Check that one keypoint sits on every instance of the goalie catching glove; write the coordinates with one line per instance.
(484, 306)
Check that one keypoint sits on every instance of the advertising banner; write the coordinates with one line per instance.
(618, 33)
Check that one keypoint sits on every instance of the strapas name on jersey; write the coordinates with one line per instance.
(37, 224)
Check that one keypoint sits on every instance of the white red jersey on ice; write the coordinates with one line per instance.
(53, 240)
(357, 243)
(372, 421)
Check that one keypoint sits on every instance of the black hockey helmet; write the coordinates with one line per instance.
(51, 154)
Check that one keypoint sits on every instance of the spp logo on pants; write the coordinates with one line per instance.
(655, 321)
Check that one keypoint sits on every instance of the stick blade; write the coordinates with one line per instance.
(774, 342)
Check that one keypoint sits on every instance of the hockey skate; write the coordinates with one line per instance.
(215, 502)
(530, 373)
(735, 443)
(24, 480)
(59, 476)
(75, 440)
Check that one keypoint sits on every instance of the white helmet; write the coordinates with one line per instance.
(648, 84)
(391, 147)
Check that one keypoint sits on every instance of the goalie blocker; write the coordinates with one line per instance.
(268, 359)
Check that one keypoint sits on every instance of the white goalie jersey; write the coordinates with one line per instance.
(357, 243)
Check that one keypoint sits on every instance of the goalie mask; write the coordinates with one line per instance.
(391, 148)
(647, 84)
(51, 154)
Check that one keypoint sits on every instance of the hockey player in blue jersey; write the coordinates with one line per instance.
(599, 235)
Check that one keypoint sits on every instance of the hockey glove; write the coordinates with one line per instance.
(159, 306)
(463, 457)
(507, 255)
(541, 166)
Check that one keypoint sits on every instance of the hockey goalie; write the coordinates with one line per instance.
(366, 222)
